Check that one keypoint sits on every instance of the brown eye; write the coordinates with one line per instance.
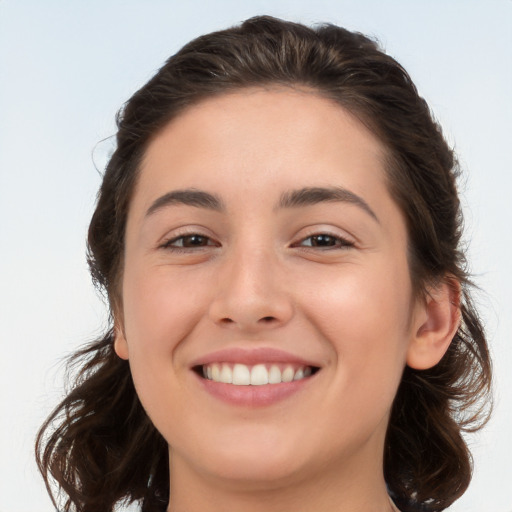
(188, 242)
(324, 240)
(194, 241)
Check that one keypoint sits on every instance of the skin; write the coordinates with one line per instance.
(261, 277)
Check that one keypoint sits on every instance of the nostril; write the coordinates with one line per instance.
(267, 319)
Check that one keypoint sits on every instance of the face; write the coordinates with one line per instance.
(266, 299)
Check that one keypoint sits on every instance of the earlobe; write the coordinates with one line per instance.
(436, 322)
(120, 344)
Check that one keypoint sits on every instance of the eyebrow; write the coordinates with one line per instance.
(190, 197)
(307, 196)
(313, 195)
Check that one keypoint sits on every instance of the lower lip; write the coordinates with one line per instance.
(254, 396)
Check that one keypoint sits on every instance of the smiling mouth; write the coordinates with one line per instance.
(239, 374)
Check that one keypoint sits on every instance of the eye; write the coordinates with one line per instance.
(325, 241)
(192, 241)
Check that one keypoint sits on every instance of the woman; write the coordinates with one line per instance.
(292, 327)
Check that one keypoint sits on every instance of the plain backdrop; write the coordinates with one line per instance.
(65, 69)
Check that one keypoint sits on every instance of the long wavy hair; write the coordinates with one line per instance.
(99, 446)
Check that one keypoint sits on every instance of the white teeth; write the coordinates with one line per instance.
(274, 376)
(241, 375)
(257, 375)
(299, 374)
(226, 375)
(287, 375)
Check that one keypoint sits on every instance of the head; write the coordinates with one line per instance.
(425, 458)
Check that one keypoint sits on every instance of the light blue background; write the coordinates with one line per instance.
(67, 66)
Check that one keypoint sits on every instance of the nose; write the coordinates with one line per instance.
(251, 294)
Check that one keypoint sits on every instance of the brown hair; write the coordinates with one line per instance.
(100, 446)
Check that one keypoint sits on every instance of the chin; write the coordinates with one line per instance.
(253, 461)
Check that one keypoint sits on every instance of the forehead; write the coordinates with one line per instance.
(252, 134)
(279, 113)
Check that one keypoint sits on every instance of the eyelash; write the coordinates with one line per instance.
(168, 244)
(339, 242)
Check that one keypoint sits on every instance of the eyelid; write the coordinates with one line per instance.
(177, 234)
(346, 241)
(169, 243)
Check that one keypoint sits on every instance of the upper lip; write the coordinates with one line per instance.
(252, 356)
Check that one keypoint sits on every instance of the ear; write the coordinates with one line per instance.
(120, 344)
(435, 323)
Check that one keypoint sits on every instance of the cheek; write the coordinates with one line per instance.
(357, 296)
(159, 310)
(365, 315)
